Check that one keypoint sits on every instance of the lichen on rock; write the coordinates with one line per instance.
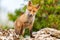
(43, 34)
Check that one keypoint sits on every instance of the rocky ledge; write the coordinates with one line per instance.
(43, 34)
(46, 34)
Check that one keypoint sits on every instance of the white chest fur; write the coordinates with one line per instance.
(30, 20)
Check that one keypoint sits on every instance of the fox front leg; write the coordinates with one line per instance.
(30, 30)
(23, 31)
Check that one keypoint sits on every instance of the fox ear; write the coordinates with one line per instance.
(37, 6)
(29, 4)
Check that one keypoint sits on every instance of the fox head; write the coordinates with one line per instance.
(32, 9)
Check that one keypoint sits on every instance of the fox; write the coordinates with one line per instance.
(26, 20)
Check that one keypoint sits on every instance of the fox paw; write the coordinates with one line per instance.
(32, 36)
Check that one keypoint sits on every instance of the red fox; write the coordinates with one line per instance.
(26, 20)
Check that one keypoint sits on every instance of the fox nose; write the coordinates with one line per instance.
(30, 15)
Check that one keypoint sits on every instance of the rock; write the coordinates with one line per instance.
(43, 34)
(8, 35)
(46, 34)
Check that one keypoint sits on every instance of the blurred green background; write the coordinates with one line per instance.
(47, 16)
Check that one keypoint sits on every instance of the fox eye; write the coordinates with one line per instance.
(33, 11)
(29, 10)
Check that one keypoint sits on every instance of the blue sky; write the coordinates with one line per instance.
(9, 6)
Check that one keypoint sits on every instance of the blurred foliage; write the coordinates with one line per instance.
(47, 16)
(18, 12)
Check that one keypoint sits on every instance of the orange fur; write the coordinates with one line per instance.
(26, 20)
